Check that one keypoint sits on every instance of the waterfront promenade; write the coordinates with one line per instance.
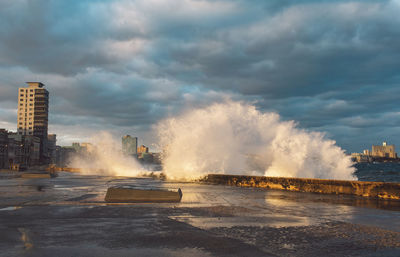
(67, 216)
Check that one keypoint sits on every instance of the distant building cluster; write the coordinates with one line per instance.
(65, 153)
(31, 145)
(382, 152)
(130, 147)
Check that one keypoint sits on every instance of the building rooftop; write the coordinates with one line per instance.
(35, 84)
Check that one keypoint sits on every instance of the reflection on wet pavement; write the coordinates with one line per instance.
(25, 238)
(69, 212)
(11, 208)
(271, 220)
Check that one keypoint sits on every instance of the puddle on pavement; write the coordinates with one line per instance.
(11, 208)
(82, 197)
(274, 220)
(100, 251)
(71, 188)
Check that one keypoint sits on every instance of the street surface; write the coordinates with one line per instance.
(67, 216)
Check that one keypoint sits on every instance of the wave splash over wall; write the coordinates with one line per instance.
(105, 157)
(236, 138)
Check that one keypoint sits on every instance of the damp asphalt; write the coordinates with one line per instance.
(67, 216)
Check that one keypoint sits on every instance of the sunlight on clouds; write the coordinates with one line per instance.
(126, 49)
(120, 63)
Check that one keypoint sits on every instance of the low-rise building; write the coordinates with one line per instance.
(359, 157)
(64, 155)
(24, 150)
(3, 149)
(384, 150)
(145, 157)
(142, 149)
(81, 148)
(87, 147)
(18, 151)
(157, 158)
(51, 147)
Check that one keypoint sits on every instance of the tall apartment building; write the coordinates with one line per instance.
(33, 112)
(129, 145)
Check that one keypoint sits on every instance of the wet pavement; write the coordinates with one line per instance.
(67, 216)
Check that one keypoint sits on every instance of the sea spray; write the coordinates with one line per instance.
(104, 157)
(236, 138)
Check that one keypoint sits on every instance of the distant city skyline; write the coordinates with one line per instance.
(122, 66)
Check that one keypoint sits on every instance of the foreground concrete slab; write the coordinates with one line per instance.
(131, 195)
(35, 175)
(67, 216)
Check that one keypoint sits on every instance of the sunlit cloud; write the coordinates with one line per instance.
(125, 65)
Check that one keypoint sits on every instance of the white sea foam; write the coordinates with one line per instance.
(236, 138)
(104, 157)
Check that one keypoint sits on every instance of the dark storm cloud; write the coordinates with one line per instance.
(62, 37)
(119, 102)
(330, 65)
(303, 50)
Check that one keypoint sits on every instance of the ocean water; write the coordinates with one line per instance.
(385, 172)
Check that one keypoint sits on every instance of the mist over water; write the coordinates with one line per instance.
(236, 138)
(105, 157)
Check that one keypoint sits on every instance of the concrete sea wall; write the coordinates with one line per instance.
(382, 190)
(67, 169)
(124, 195)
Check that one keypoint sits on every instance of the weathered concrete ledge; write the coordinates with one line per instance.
(10, 174)
(53, 168)
(35, 175)
(381, 190)
(126, 195)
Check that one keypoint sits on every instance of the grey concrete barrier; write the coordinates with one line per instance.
(126, 195)
(381, 190)
(35, 175)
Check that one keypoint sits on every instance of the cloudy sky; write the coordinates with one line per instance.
(121, 65)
